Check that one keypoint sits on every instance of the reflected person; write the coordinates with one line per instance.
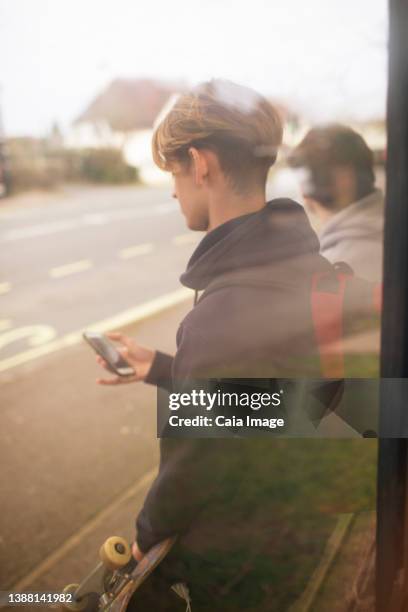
(338, 186)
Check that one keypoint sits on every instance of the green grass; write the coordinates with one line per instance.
(286, 498)
(283, 505)
(276, 513)
(362, 366)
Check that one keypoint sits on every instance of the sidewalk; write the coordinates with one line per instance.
(76, 459)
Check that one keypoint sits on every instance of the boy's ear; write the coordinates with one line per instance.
(200, 165)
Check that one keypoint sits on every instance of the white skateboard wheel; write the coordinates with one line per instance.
(115, 553)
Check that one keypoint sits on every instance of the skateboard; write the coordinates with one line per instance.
(111, 584)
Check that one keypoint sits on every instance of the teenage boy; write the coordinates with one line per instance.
(219, 141)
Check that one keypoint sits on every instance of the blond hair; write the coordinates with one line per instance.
(243, 128)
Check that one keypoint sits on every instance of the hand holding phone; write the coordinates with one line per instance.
(137, 357)
(109, 353)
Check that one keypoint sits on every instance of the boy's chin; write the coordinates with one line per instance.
(197, 226)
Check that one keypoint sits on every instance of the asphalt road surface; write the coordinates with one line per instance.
(85, 257)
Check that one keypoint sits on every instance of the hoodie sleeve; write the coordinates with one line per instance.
(160, 371)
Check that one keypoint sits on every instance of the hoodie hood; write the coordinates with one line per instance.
(278, 232)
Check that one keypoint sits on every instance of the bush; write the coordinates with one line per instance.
(105, 166)
(33, 165)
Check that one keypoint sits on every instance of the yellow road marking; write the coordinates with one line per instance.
(72, 268)
(133, 315)
(138, 249)
(186, 238)
(4, 288)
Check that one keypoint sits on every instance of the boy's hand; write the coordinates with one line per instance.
(139, 357)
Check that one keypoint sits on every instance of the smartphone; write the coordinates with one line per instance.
(108, 351)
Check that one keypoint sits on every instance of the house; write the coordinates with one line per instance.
(122, 116)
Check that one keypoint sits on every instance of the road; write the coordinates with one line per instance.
(84, 258)
(70, 448)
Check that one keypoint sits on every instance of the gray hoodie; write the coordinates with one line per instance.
(355, 236)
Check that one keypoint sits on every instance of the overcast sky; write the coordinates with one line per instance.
(326, 57)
